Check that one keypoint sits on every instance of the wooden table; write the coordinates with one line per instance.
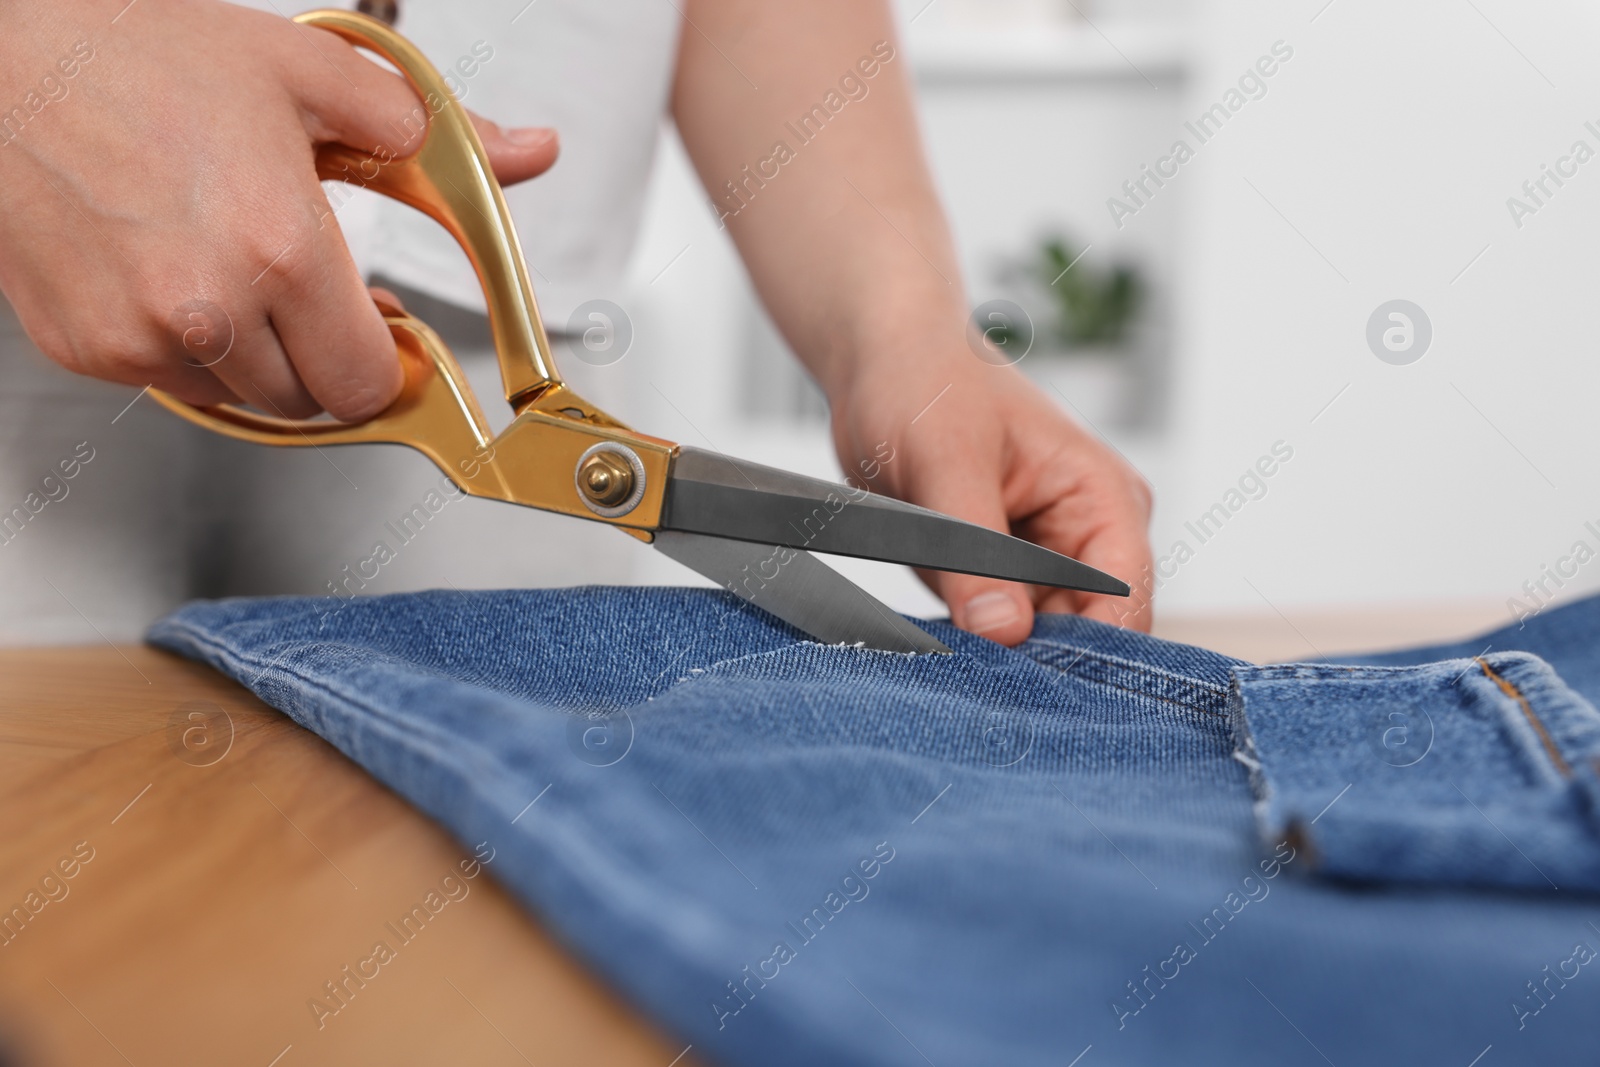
(1272, 637)
(239, 863)
(231, 877)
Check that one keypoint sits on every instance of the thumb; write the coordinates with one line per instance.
(352, 100)
(1000, 611)
(519, 153)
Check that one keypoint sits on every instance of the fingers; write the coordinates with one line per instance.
(385, 299)
(353, 101)
(334, 334)
(966, 484)
(1097, 512)
(1121, 550)
(1011, 461)
(305, 334)
(349, 99)
(323, 315)
(999, 611)
(257, 370)
(218, 201)
(322, 343)
(520, 153)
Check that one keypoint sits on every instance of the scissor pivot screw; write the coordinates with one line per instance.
(610, 479)
(606, 479)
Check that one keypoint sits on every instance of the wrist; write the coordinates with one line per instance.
(893, 343)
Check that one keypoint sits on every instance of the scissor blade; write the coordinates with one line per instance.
(799, 589)
(713, 494)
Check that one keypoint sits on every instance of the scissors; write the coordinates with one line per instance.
(747, 527)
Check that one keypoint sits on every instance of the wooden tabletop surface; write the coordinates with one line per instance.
(183, 870)
(224, 865)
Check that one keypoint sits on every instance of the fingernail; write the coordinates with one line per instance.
(530, 136)
(990, 611)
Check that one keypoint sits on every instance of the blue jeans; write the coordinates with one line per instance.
(1097, 844)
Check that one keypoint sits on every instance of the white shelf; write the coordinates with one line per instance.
(1137, 52)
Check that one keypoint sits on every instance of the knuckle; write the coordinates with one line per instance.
(1143, 493)
(277, 259)
(198, 330)
(119, 356)
(57, 346)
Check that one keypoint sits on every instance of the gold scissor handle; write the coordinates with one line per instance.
(449, 178)
(435, 413)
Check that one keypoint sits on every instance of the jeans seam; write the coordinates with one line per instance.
(1130, 666)
(694, 673)
(721, 663)
(1151, 696)
(1315, 671)
(1510, 689)
(279, 669)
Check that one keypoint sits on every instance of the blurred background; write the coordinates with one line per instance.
(1358, 272)
(1374, 165)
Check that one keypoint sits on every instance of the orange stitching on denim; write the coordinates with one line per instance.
(1527, 709)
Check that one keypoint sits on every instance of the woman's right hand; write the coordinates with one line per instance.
(158, 180)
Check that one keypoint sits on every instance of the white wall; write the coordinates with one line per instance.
(1390, 143)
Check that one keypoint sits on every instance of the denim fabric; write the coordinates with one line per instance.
(798, 854)
(1477, 770)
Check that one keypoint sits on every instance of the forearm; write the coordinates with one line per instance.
(832, 207)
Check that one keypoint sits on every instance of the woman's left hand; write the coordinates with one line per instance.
(982, 443)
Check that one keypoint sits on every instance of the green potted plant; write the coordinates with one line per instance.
(1094, 306)
(1083, 345)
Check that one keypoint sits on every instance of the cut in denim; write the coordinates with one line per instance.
(1098, 845)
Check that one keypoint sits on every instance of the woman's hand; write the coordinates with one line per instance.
(993, 450)
(158, 191)
(849, 249)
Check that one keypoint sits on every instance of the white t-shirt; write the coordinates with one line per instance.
(599, 71)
